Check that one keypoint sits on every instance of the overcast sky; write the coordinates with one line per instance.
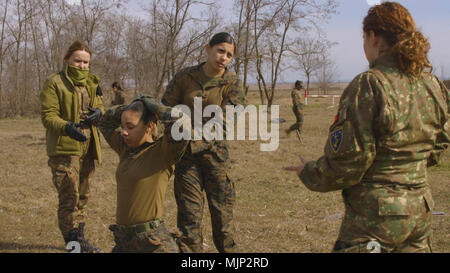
(345, 27)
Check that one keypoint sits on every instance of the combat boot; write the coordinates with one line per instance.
(73, 236)
(86, 247)
(77, 234)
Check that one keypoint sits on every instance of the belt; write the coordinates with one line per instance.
(140, 228)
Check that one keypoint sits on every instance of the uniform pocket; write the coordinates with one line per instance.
(398, 206)
(60, 167)
(58, 178)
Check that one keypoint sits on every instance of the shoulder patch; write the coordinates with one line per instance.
(336, 139)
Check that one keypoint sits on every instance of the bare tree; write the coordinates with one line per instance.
(260, 27)
(306, 54)
(281, 18)
(176, 36)
(3, 46)
(243, 36)
(144, 53)
(16, 26)
(111, 61)
(326, 74)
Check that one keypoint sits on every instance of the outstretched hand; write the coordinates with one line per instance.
(298, 169)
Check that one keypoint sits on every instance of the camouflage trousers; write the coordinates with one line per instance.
(207, 171)
(398, 219)
(298, 112)
(156, 240)
(71, 178)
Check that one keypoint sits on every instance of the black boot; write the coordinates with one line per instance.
(77, 234)
(73, 236)
(86, 247)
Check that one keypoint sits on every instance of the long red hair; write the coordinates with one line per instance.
(395, 24)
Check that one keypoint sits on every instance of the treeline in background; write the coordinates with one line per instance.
(143, 51)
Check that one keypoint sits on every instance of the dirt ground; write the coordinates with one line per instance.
(274, 212)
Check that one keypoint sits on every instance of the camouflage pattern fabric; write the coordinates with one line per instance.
(389, 129)
(399, 218)
(72, 175)
(297, 108)
(71, 178)
(191, 82)
(208, 171)
(119, 98)
(206, 164)
(157, 240)
(297, 96)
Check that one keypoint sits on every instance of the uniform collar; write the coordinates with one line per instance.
(138, 151)
(386, 59)
(66, 74)
(92, 79)
(197, 71)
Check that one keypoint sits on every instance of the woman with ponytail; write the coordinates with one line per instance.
(205, 167)
(392, 124)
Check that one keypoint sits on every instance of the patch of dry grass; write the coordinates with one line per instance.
(274, 212)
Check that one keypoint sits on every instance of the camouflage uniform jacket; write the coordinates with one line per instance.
(388, 130)
(191, 82)
(119, 98)
(297, 97)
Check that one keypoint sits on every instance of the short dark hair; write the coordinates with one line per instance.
(222, 37)
(116, 84)
(298, 83)
(138, 106)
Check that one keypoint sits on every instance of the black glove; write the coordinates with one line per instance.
(150, 102)
(73, 132)
(94, 116)
(99, 91)
(163, 113)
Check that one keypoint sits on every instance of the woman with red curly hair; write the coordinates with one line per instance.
(392, 124)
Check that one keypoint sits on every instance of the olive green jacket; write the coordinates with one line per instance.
(60, 104)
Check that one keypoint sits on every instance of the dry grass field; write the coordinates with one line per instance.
(274, 212)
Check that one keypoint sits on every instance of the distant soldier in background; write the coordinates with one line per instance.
(393, 123)
(70, 110)
(298, 101)
(119, 96)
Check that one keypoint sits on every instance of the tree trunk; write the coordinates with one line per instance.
(1, 52)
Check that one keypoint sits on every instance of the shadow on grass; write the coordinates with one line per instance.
(5, 246)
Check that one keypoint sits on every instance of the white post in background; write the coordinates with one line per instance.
(306, 96)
